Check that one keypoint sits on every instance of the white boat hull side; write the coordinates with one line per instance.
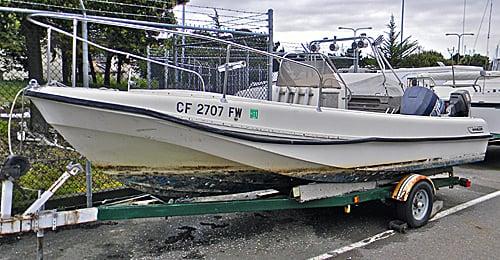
(150, 142)
(483, 105)
(118, 138)
(490, 115)
(104, 149)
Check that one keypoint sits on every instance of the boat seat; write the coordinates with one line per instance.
(293, 95)
(305, 95)
(381, 104)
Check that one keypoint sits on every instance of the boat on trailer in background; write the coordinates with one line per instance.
(484, 89)
(367, 85)
(178, 142)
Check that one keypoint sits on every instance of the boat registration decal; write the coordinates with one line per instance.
(254, 113)
(209, 110)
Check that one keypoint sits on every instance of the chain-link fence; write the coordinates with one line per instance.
(47, 151)
(206, 58)
(48, 56)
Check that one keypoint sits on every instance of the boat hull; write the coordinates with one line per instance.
(200, 182)
(491, 114)
(113, 134)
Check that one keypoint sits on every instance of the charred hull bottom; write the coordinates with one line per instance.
(198, 183)
(194, 185)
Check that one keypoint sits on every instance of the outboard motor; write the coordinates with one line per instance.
(418, 101)
(459, 104)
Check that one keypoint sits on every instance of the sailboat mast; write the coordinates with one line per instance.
(463, 25)
(489, 30)
(402, 18)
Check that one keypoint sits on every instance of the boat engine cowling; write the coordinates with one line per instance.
(418, 101)
(459, 105)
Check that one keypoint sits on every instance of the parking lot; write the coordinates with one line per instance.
(297, 234)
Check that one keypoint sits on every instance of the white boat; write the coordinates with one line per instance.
(180, 128)
(437, 72)
(484, 89)
(307, 133)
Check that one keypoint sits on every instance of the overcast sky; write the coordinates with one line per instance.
(425, 20)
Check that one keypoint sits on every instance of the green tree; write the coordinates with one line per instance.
(129, 40)
(12, 51)
(29, 49)
(393, 49)
(475, 60)
(423, 59)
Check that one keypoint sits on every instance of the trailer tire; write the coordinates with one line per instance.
(416, 210)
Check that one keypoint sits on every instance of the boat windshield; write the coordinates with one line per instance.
(294, 75)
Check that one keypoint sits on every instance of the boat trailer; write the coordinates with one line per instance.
(413, 196)
(301, 197)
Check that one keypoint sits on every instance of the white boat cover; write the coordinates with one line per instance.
(460, 75)
(372, 84)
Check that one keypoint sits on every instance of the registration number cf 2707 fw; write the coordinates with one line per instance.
(209, 110)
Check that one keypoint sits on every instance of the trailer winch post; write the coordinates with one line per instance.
(71, 170)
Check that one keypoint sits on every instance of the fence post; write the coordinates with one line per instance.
(88, 179)
(85, 48)
(148, 67)
(85, 72)
(270, 46)
(183, 39)
(85, 58)
(73, 58)
(165, 70)
(247, 70)
(176, 72)
(187, 77)
(49, 53)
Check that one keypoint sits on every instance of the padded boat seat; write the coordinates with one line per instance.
(292, 95)
(373, 103)
(306, 95)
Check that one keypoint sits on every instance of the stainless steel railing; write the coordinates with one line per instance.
(75, 37)
(374, 44)
(120, 23)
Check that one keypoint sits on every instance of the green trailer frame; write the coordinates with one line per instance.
(495, 138)
(120, 212)
(36, 219)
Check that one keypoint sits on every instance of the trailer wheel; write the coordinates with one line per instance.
(417, 209)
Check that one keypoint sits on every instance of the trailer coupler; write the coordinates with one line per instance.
(34, 219)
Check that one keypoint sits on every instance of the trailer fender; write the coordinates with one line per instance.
(404, 186)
